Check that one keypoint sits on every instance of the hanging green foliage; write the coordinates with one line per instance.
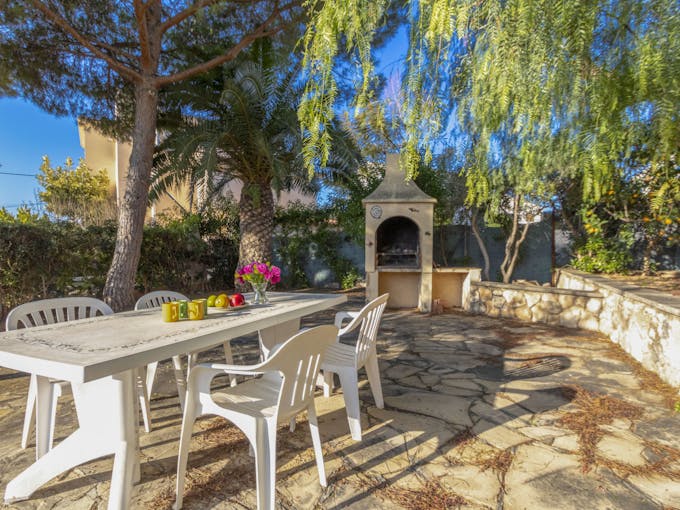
(535, 82)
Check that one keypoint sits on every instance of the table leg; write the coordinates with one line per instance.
(43, 415)
(273, 335)
(107, 426)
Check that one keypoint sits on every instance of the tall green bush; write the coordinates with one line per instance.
(40, 259)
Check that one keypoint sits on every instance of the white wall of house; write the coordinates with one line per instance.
(103, 152)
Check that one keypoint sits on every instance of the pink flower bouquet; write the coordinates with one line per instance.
(258, 272)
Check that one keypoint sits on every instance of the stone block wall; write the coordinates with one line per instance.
(531, 303)
(645, 323)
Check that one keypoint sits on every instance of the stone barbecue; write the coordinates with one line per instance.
(399, 218)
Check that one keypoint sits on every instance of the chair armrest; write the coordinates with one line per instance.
(218, 368)
(341, 316)
(202, 374)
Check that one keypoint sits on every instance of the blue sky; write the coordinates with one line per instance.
(26, 135)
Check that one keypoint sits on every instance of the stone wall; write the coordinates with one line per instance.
(531, 303)
(645, 323)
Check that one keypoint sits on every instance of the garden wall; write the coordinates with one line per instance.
(532, 303)
(645, 323)
(454, 245)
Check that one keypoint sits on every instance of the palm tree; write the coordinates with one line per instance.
(240, 122)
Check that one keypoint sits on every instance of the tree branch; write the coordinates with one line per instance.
(186, 13)
(191, 10)
(516, 247)
(259, 32)
(140, 16)
(64, 25)
(114, 49)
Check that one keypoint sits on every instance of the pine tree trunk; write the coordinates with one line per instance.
(256, 215)
(118, 291)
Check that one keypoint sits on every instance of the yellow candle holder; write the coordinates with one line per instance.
(195, 310)
(170, 312)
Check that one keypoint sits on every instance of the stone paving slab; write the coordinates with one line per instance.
(480, 414)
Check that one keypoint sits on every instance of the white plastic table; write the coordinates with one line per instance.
(98, 356)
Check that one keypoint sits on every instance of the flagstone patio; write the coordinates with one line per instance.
(480, 413)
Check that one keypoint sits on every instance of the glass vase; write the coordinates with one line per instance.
(260, 290)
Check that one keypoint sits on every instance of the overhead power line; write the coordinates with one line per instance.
(14, 206)
(16, 173)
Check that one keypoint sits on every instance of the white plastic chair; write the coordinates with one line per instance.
(257, 406)
(346, 360)
(154, 300)
(41, 313)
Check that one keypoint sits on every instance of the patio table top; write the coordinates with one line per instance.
(84, 350)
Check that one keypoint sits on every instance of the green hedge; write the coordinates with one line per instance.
(42, 259)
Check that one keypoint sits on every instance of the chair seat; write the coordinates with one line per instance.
(345, 360)
(339, 355)
(256, 397)
(284, 390)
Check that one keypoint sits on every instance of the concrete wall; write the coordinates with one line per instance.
(454, 245)
(103, 152)
(644, 322)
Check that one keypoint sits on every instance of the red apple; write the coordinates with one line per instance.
(237, 300)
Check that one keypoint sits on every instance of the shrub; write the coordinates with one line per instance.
(41, 259)
(298, 229)
(350, 279)
(600, 255)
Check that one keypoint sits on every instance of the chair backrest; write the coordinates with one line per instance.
(298, 361)
(156, 298)
(368, 321)
(51, 311)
